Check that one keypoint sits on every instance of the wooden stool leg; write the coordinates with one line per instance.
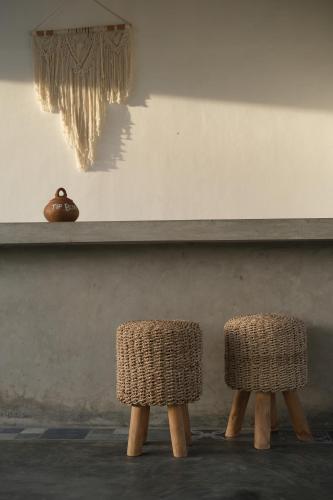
(177, 431)
(187, 425)
(146, 424)
(136, 430)
(262, 421)
(274, 417)
(237, 413)
(297, 416)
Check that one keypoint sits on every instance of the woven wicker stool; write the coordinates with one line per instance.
(266, 353)
(159, 363)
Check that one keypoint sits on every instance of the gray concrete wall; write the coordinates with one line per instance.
(171, 231)
(60, 306)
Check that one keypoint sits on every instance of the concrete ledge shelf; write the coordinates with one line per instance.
(188, 231)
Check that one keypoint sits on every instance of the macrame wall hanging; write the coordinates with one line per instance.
(78, 72)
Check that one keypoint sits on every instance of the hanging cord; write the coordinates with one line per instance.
(111, 12)
(53, 13)
(97, 2)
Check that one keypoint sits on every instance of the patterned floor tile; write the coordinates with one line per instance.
(65, 433)
(121, 430)
(120, 438)
(100, 435)
(7, 436)
(322, 437)
(11, 430)
(30, 436)
(155, 434)
(34, 430)
(201, 434)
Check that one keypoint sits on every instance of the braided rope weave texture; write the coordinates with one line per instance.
(265, 352)
(159, 362)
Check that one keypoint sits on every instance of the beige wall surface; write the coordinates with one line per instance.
(230, 114)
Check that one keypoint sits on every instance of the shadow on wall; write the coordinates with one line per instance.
(259, 51)
(116, 131)
(263, 51)
(111, 145)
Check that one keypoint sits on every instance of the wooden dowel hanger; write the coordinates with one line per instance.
(122, 26)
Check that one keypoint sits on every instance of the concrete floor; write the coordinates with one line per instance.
(98, 469)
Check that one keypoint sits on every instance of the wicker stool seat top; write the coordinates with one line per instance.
(159, 362)
(265, 352)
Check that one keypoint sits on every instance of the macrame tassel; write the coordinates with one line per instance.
(78, 73)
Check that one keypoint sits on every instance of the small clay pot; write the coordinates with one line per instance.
(61, 208)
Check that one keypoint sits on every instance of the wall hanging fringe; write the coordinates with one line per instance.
(78, 72)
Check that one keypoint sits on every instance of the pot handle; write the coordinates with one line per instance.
(64, 195)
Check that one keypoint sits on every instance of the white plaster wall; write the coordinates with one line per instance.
(230, 116)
